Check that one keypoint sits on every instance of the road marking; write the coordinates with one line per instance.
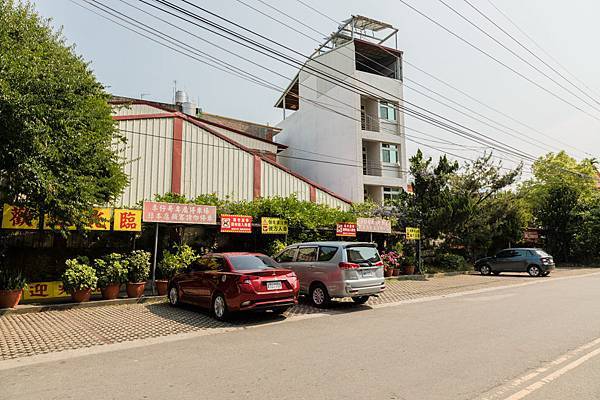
(490, 298)
(514, 384)
(553, 376)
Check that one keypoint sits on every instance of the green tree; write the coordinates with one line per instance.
(56, 153)
(557, 215)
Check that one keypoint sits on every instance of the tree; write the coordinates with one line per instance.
(556, 214)
(56, 152)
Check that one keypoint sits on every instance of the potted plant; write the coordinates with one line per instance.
(12, 284)
(112, 272)
(391, 262)
(409, 265)
(79, 279)
(171, 264)
(138, 270)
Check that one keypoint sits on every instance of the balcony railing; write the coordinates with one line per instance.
(369, 122)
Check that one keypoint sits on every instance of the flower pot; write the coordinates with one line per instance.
(409, 269)
(111, 291)
(161, 287)
(387, 272)
(135, 289)
(80, 296)
(10, 298)
(396, 272)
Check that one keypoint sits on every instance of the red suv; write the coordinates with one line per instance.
(227, 282)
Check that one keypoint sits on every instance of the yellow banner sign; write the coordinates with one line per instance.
(128, 220)
(413, 233)
(14, 217)
(274, 226)
(103, 214)
(46, 290)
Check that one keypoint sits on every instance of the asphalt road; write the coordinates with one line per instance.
(539, 341)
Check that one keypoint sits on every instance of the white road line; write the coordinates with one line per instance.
(514, 384)
(553, 376)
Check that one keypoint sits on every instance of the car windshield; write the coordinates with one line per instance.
(541, 253)
(250, 262)
(360, 254)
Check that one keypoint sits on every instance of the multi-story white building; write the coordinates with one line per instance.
(348, 136)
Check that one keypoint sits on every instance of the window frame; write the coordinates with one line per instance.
(394, 193)
(294, 251)
(388, 107)
(328, 247)
(390, 148)
(308, 247)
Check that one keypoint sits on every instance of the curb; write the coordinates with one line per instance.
(424, 277)
(27, 308)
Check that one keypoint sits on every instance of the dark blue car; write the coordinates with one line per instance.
(536, 262)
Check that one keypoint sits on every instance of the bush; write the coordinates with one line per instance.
(78, 275)
(138, 266)
(12, 280)
(111, 269)
(449, 262)
(172, 263)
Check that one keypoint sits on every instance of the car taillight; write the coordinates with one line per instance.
(247, 279)
(378, 264)
(347, 265)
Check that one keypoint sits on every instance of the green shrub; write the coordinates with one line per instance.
(172, 263)
(138, 266)
(78, 275)
(111, 269)
(450, 262)
(12, 280)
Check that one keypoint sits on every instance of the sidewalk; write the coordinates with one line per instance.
(23, 335)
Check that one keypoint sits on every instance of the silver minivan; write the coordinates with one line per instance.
(329, 270)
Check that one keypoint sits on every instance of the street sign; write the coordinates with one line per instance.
(347, 229)
(413, 233)
(175, 213)
(376, 225)
(16, 218)
(236, 223)
(273, 226)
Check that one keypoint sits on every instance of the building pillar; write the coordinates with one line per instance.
(256, 193)
(313, 194)
(176, 157)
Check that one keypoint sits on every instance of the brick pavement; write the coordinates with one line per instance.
(23, 335)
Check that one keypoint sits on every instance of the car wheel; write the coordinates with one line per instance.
(496, 273)
(485, 269)
(319, 296)
(219, 307)
(360, 299)
(534, 270)
(173, 296)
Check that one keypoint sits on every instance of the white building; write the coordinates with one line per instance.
(168, 150)
(348, 139)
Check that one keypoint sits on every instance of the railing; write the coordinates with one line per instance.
(369, 122)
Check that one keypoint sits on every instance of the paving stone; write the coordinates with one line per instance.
(23, 335)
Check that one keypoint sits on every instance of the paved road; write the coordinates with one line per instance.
(539, 341)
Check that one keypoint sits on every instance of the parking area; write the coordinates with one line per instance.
(23, 335)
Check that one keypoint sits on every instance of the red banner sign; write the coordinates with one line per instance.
(346, 229)
(236, 223)
(175, 213)
(373, 225)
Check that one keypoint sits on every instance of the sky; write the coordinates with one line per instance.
(130, 65)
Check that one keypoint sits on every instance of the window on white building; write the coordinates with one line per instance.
(387, 111)
(390, 193)
(389, 153)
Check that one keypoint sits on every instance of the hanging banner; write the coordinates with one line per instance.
(16, 218)
(273, 226)
(103, 215)
(236, 223)
(175, 213)
(345, 229)
(376, 225)
(128, 220)
(413, 233)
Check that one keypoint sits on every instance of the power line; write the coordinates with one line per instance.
(461, 131)
(528, 50)
(537, 131)
(448, 30)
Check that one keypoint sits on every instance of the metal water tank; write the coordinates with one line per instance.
(181, 97)
(189, 108)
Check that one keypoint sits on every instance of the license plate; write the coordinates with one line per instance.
(368, 274)
(274, 285)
